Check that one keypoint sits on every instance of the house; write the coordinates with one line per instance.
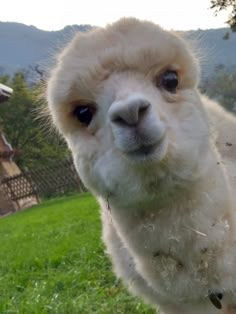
(8, 167)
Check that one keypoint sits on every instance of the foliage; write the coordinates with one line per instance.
(52, 261)
(23, 130)
(222, 87)
(220, 5)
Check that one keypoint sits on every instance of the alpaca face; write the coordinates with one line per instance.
(125, 100)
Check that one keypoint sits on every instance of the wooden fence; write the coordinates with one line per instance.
(43, 183)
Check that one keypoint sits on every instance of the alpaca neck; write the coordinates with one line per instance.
(199, 203)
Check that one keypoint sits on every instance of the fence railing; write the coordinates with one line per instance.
(43, 183)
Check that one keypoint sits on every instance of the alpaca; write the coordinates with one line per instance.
(160, 159)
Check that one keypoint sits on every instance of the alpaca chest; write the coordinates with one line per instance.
(173, 258)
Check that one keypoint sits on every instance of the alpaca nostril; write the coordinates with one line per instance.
(143, 108)
(119, 120)
(128, 113)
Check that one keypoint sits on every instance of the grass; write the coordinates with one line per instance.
(52, 261)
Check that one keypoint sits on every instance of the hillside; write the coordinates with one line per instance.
(23, 46)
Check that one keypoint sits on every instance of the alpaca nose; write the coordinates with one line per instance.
(129, 112)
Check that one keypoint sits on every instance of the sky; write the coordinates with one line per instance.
(55, 15)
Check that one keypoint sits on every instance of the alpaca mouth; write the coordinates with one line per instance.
(144, 150)
(150, 152)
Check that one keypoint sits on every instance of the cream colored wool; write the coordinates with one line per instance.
(161, 163)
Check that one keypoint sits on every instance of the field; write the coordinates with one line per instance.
(52, 261)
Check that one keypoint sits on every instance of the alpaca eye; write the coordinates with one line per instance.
(169, 81)
(84, 113)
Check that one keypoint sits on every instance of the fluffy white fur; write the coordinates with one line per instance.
(168, 213)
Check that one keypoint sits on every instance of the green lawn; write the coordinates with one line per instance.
(52, 261)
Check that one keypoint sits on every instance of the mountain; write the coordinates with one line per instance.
(213, 50)
(22, 46)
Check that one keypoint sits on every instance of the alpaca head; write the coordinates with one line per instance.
(125, 100)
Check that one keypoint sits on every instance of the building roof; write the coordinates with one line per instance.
(5, 92)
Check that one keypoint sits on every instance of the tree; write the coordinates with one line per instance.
(23, 130)
(226, 36)
(219, 5)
